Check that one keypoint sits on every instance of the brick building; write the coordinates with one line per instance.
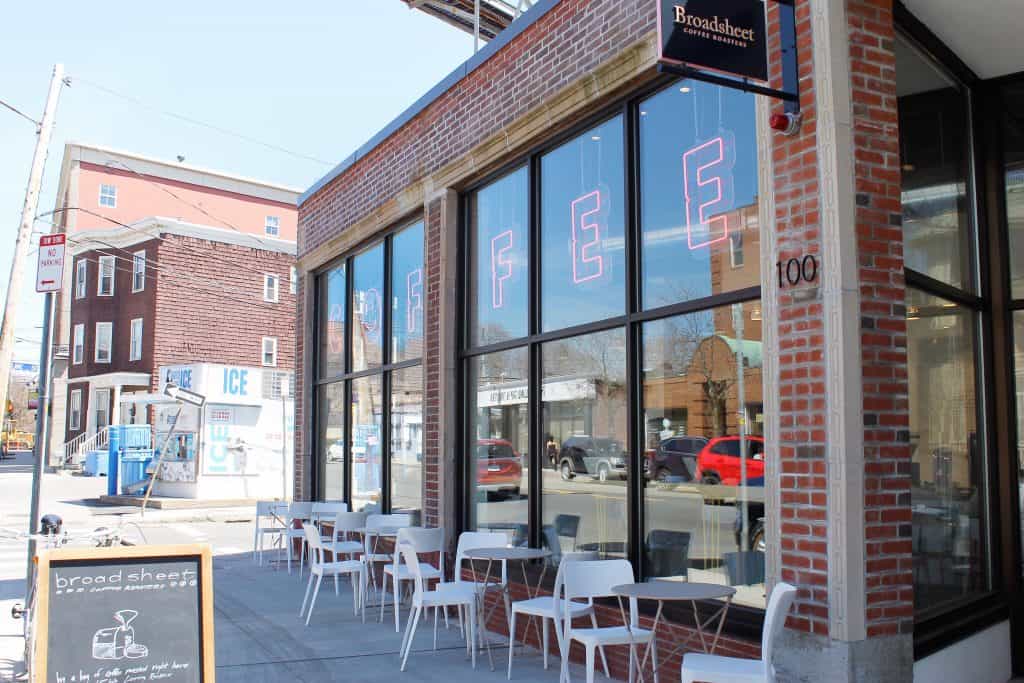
(169, 265)
(848, 293)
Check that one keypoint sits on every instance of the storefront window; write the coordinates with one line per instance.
(1013, 153)
(585, 415)
(499, 260)
(583, 251)
(332, 322)
(407, 294)
(698, 192)
(499, 433)
(358, 394)
(331, 438)
(934, 130)
(406, 439)
(367, 308)
(948, 454)
(704, 441)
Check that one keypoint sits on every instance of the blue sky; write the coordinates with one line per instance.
(318, 77)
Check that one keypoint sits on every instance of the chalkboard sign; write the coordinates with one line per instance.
(118, 615)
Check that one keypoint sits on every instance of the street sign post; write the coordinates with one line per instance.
(50, 272)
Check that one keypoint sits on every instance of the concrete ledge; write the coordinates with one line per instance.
(805, 658)
(177, 503)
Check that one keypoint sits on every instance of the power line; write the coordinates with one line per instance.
(20, 113)
(196, 122)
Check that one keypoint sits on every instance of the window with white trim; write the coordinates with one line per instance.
(78, 344)
(272, 226)
(293, 280)
(75, 413)
(108, 196)
(736, 250)
(135, 347)
(81, 272)
(271, 284)
(139, 271)
(269, 356)
(105, 281)
(104, 342)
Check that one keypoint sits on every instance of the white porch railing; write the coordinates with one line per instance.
(74, 449)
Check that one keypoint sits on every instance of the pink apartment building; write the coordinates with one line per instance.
(168, 264)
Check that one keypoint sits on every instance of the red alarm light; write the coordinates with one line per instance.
(787, 124)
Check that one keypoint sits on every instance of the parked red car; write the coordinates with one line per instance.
(719, 461)
(498, 467)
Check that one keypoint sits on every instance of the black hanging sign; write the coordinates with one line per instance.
(719, 35)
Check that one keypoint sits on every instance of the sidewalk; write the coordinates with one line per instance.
(260, 637)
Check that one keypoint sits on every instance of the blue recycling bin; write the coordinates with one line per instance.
(113, 463)
(95, 464)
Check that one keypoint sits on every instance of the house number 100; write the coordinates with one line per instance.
(795, 271)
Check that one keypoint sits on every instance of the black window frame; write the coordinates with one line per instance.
(742, 621)
(347, 376)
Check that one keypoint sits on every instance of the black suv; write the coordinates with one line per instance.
(601, 458)
(675, 456)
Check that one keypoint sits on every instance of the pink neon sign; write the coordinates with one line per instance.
(707, 172)
(586, 264)
(500, 259)
(413, 298)
(371, 310)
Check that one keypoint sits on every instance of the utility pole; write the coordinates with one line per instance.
(24, 241)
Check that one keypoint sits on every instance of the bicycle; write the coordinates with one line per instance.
(56, 536)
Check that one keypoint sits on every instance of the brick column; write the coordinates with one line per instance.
(839, 494)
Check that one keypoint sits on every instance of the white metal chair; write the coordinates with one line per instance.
(339, 541)
(443, 595)
(371, 554)
(473, 540)
(325, 512)
(588, 580)
(719, 669)
(319, 568)
(297, 512)
(423, 541)
(270, 516)
(547, 607)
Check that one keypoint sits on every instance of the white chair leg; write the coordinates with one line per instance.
(511, 641)
(316, 590)
(590, 664)
(289, 543)
(564, 643)
(305, 599)
(632, 663)
(471, 612)
(405, 636)
(383, 598)
(255, 540)
(544, 640)
(396, 586)
(302, 557)
(435, 626)
(412, 634)
(654, 658)
(604, 660)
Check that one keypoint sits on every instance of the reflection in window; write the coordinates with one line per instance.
(947, 467)
(698, 177)
(407, 294)
(583, 252)
(584, 392)
(1013, 153)
(499, 248)
(367, 308)
(331, 424)
(499, 442)
(367, 415)
(696, 427)
(332, 322)
(407, 439)
(934, 148)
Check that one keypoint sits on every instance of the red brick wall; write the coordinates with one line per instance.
(890, 600)
(210, 308)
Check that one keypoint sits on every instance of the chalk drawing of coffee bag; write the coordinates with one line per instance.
(118, 642)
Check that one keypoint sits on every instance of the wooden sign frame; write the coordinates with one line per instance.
(200, 551)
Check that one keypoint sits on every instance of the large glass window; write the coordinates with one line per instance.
(703, 442)
(370, 394)
(585, 418)
(948, 465)
(499, 442)
(583, 251)
(698, 198)
(938, 236)
(499, 260)
(1013, 154)
(578, 390)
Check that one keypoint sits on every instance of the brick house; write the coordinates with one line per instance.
(215, 284)
(530, 222)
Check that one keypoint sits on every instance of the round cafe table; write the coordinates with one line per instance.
(503, 555)
(678, 591)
